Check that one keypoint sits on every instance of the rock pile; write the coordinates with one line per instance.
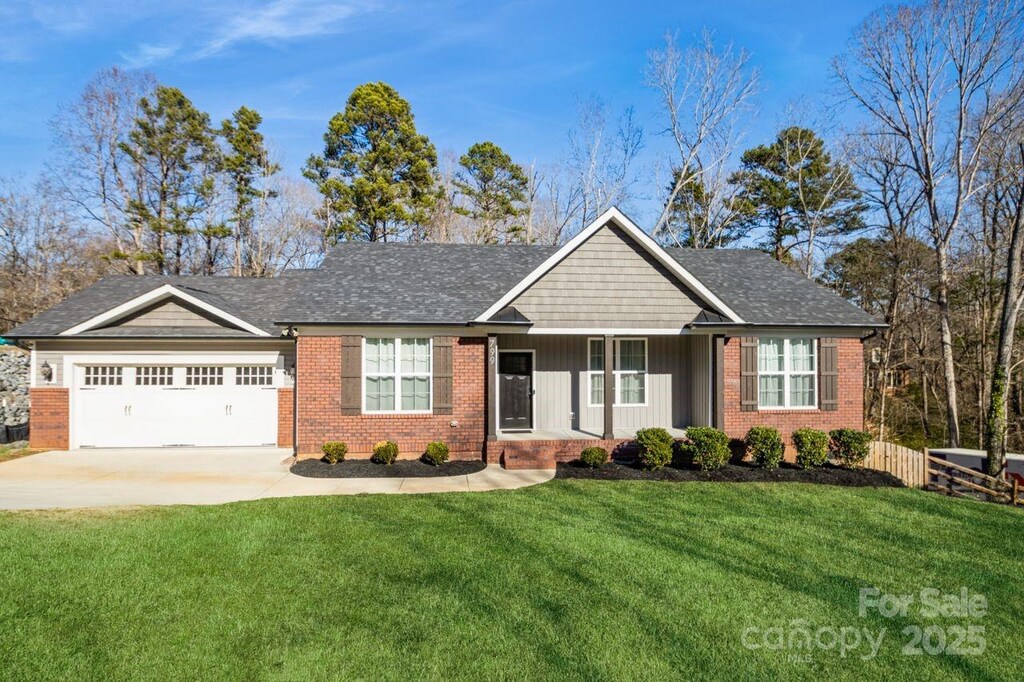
(14, 369)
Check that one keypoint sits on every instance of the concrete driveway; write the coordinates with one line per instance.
(129, 477)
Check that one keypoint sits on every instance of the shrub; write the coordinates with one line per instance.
(655, 447)
(594, 457)
(765, 446)
(811, 447)
(334, 451)
(710, 447)
(849, 446)
(385, 452)
(436, 454)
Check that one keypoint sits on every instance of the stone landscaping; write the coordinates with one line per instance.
(14, 379)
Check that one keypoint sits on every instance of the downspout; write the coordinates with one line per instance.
(293, 335)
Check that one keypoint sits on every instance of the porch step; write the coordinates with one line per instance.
(529, 459)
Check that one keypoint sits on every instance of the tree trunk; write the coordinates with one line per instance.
(995, 422)
(948, 365)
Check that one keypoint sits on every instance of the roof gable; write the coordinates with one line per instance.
(629, 231)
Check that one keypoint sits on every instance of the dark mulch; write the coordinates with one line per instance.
(364, 468)
(734, 473)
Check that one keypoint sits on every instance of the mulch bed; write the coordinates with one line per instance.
(364, 468)
(734, 473)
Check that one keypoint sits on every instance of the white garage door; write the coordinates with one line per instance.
(166, 405)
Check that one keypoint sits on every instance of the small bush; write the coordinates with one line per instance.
(849, 447)
(436, 454)
(334, 451)
(594, 457)
(655, 447)
(710, 447)
(765, 446)
(385, 452)
(811, 447)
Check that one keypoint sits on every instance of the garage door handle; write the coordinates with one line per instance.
(227, 410)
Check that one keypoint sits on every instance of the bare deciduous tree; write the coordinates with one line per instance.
(932, 75)
(704, 92)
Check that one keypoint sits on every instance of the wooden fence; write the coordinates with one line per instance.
(902, 462)
(960, 481)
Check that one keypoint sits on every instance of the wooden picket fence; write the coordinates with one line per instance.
(904, 463)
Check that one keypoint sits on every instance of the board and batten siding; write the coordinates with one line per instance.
(54, 351)
(608, 281)
(562, 387)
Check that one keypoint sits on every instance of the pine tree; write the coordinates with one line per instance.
(377, 172)
(495, 189)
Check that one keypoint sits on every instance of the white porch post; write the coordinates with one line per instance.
(609, 387)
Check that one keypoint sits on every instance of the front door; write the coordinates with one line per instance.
(515, 390)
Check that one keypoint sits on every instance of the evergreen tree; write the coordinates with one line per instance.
(246, 163)
(377, 172)
(495, 189)
(699, 217)
(796, 194)
(174, 147)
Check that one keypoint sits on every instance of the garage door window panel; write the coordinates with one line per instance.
(154, 376)
(204, 376)
(256, 375)
(103, 375)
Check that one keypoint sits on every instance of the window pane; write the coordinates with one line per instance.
(373, 355)
(596, 355)
(597, 389)
(801, 390)
(770, 391)
(631, 355)
(769, 355)
(415, 393)
(415, 356)
(801, 355)
(380, 394)
(632, 388)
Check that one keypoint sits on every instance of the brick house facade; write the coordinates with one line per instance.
(50, 425)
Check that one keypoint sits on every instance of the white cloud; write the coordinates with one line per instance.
(145, 55)
(284, 20)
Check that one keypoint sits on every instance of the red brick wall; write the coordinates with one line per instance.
(318, 382)
(48, 418)
(285, 414)
(851, 398)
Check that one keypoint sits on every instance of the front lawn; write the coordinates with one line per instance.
(570, 579)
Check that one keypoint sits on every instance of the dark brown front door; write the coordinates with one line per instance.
(515, 390)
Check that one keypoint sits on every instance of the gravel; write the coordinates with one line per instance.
(14, 368)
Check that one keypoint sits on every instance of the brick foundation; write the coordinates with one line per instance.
(48, 418)
(544, 454)
(285, 417)
(851, 399)
(320, 418)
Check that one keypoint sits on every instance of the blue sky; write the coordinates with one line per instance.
(507, 72)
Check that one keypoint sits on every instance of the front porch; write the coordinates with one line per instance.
(552, 395)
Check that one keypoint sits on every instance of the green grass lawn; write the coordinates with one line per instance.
(572, 579)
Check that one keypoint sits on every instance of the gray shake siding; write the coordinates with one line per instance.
(168, 313)
(676, 383)
(609, 281)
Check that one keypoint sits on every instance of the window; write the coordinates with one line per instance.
(99, 375)
(204, 376)
(397, 375)
(154, 376)
(259, 375)
(629, 368)
(787, 373)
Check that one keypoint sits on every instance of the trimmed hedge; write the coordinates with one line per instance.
(811, 447)
(594, 457)
(849, 447)
(655, 446)
(436, 454)
(709, 446)
(334, 451)
(765, 446)
(385, 452)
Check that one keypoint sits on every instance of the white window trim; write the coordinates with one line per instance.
(616, 362)
(786, 373)
(398, 376)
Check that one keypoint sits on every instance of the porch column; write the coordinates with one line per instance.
(718, 381)
(492, 387)
(609, 387)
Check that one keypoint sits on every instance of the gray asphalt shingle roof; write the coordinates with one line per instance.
(438, 283)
